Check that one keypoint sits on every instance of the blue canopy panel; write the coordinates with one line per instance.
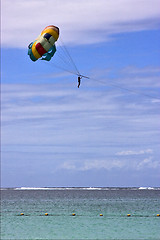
(32, 57)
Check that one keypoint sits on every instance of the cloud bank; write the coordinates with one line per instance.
(79, 130)
(80, 22)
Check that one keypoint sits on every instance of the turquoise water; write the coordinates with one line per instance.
(87, 204)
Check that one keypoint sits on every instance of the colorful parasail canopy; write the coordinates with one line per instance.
(44, 46)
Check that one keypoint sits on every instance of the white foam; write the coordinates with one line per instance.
(146, 188)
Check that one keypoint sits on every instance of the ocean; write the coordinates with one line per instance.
(80, 213)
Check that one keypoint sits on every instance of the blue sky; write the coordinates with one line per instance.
(106, 133)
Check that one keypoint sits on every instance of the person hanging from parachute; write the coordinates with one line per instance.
(79, 81)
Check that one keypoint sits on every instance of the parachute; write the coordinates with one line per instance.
(44, 46)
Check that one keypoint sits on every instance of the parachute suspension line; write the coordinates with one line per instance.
(64, 48)
(67, 55)
(111, 83)
(65, 61)
(61, 51)
(55, 65)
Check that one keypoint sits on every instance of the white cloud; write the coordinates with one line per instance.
(80, 21)
(132, 70)
(105, 164)
(131, 152)
(21, 100)
(148, 163)
(86, 165)
(156, 101)
(68, 165)
(108, 164)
